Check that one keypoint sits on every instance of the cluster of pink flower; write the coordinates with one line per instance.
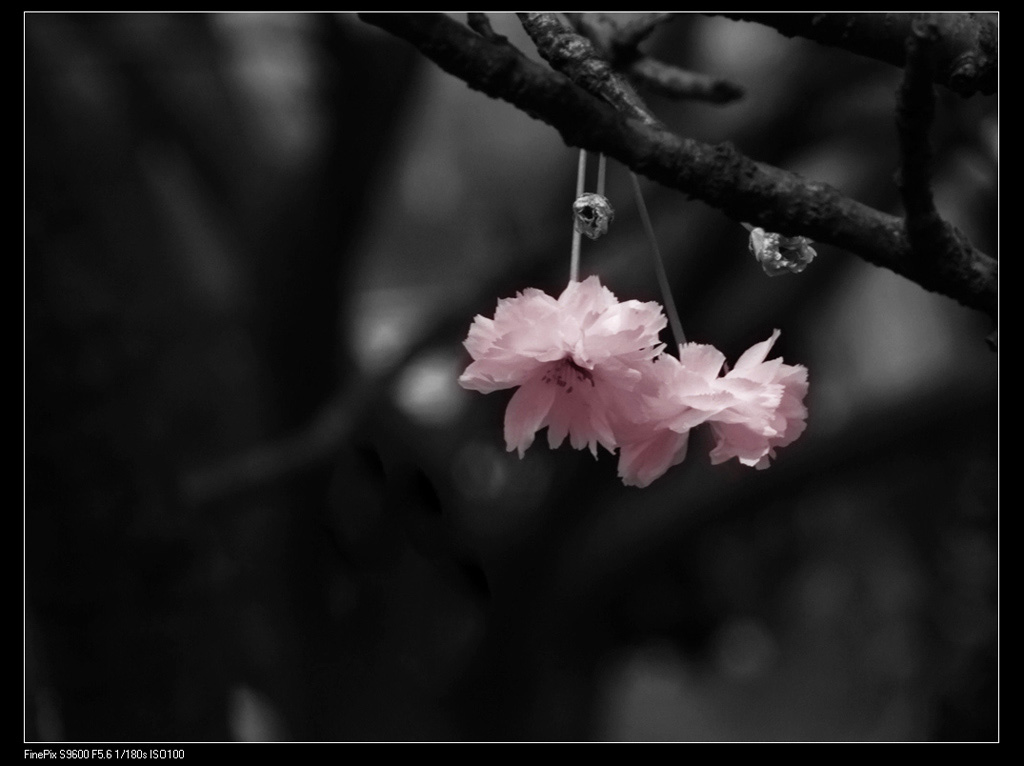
(591, 368)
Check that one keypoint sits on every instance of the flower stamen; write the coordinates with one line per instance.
(559, 371)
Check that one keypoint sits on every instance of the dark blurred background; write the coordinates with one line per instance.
(258, 506)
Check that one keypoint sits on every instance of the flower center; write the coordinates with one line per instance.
(566, 373)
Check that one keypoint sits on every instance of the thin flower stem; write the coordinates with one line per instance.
(602, 165)
(574, 261)
(659, 266)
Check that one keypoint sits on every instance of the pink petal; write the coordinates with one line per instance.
(526, 413)
(643, 461)
(565, 414)
(587, 297)
(593, 430)
(739, 441)
(755, 354)
(482, 335)
(703, 360)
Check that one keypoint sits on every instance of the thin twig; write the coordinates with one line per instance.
(615, 37)
(635, 31)
(674, 82)
(577, 235)
(659, 266)
(481, 24)
(617, 43)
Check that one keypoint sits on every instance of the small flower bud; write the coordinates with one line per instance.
(780, 255)
(591, 215)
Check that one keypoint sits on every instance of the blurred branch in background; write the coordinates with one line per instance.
(182, 266)
(350, 408)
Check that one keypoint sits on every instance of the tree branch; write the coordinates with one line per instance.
(618, 44)
(930, 236)
(635, 31)
(769, 197)
(481, 24)
(574, 55)
(932, 239)
(674, 82)
(966, 51)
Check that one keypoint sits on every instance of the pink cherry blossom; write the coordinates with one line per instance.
(677, 395)
(576, 361)
(768, 411)
(753, 409)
